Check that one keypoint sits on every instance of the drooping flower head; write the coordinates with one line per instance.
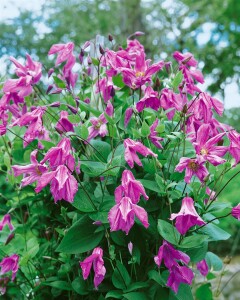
(234, 148)
(121, 216)
(149, 100)
(95, 260)
(178, 275)
(8, 264)
(64, 125)
(131, 149)
(187, 216)
(153, 136)
(202, 267)
(98, 127)
(236, 212)
(6, 220)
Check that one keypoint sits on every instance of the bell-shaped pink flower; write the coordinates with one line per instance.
(236, 212)
(95, 260)
(10, 264)
(131, 149)
(130, 188)
(121, 216)
(153, 136)
(206, 147)
(32, 172)
(202, 267)
(64, 125)
(170, 256)
(60, 155)
(64, 52)
(63, 185)
(187, 216)
(179, 274)
(6, 220)
(193, 166)
(149, 100)
(106, 87)
(98, 127)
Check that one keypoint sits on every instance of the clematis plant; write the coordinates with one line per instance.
(114, 173)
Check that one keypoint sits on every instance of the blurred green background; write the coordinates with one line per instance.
(208, 29)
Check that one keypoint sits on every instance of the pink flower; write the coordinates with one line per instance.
(130, 188)
(106, 87)
(128, 116)
(193, 167)
(170, 256)
(32, 172)
(3, 285)
(236, 212)
(64, 51)
(63, 185)
(187, 216)
(95, 259)
(121, 216)
(234, 148)
(60, 155)
(98, 127)
(153, 136)
(130, 247)
(171, 102)
(206, 147)
(10, 264)
(6, 221)
(64, 125)
(203, 267)
(131, 149)
(141, 73)
(150, 99)
(179, 274)
(186, 58)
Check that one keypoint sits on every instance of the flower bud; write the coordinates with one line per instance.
(110, 38)
(10, 237)
(73, 109)
(101, 50)
(50, 87)
(50, 72)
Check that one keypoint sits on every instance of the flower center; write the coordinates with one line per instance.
(99, 124)
(140, 74)
(38, 171)
(193, 166)
(204, 151)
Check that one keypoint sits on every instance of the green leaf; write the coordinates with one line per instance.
(154, 275)
(177, 80)
(168, 232)
(120, 277)
(117, 80)
(214, 261)
(102, 147)
(86, 107)
(114, 294)
(93, 168)
(81, 237)
(95, 61)
(160, 183)
(145, 130)
(135, 296)
(184, 293)
(60, 83)
(79, 285)
(193, 241)
(136, 285)
(204, 292)
(82, 202)
(151, 185)
(197, 254)
(215, 233)
(61, 285)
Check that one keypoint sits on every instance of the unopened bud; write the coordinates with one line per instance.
(101, 50)
(10, 237)
(50, 87)
(26, 216)
(73, 109)
(55, 104)
(89, 60)
(157, 83)
(139, 33)
(227, 260)
(50, 72)
(110, 38)
(185, 109)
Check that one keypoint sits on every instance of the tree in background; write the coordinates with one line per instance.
(211, 29)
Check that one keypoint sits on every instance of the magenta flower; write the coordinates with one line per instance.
(141, 73)
(171, 102)
(95, 260)
(203, 267)
(193, 166)
(63, 185)
(128, 116)
(64, 52)
(234, 148)
(153, 136)
(206, 147)
(10, 264)
(179, 274)
(150, 99)
(6, 221)
(130, 188)
(131, 149)
(187, 216)
(186, 58)
(3, 285)
(106, 87)
(121, 216)
(98, 127)
(32, 172)
(60, 155)
(170, 256)
(236, 212)
(64, 125)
